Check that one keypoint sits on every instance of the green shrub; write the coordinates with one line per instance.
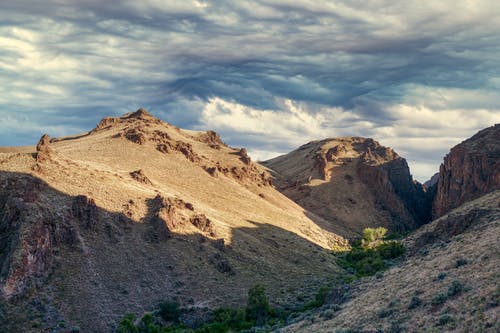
(372, 255)
(257, 305)
(455, 288)
(445, 319)
(391, 250)
(127, 325)
(169, 310)
(415, 302)
(439, 299)
(460, 262)
(147, 324)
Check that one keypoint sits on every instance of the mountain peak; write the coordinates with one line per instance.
(140, 114)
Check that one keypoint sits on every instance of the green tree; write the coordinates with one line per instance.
(257, 305)
(373, 237)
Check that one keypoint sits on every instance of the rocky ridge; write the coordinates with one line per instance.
(470, 170)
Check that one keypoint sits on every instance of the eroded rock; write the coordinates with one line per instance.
(43, 149)
(85, 210)
(141, 177)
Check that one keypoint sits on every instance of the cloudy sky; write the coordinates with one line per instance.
(419, 76)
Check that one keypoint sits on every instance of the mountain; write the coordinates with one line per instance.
(448, 279)
(138, 211)
(470, 170)
(353, 183)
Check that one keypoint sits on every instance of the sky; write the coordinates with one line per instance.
(418, 76)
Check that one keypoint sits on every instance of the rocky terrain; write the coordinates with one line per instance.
(137, 211)
(469, 171)
(353, 183)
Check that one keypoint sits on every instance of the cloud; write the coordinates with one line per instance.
(420, 134)
(397, 71)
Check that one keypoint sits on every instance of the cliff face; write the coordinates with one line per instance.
(394, 187)
(470, 170)
(352, 183)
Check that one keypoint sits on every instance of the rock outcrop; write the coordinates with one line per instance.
(389, 178)
(470, 170)
(85, 210)
(43, 149)
(30, 234)
(173, 215)
(141, 177)
(339, 179)
(212, 139)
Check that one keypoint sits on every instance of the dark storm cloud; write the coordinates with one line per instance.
(322, 67)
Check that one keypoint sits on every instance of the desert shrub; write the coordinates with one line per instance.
(415, 302)
(455, 288)
(396, 327)
(169, 310)
(385, 312)
(127, 325)
(460, 262)
(257, 304)
(445, 319)
(441, 276)
(439, 299)
(327, 314)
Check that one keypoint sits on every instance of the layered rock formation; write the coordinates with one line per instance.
(470, 170)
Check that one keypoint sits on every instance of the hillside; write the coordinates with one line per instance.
(137, 211)
(448, 280)
(447, 283)
(353, 183)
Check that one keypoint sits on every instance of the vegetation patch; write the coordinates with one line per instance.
(258, 315)
(372, 254)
